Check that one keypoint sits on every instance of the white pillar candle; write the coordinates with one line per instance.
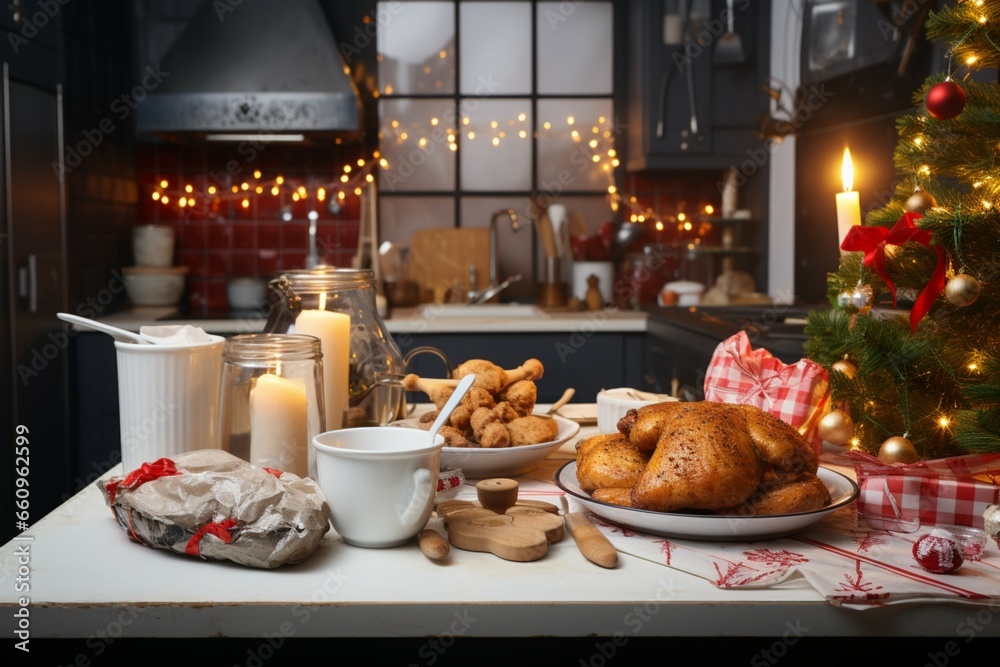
(279, 433)
(848, 202)
(334, 333)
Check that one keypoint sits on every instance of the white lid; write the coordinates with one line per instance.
(684, 287)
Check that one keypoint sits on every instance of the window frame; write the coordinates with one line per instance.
(615, 97)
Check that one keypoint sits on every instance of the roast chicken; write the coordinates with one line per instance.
(715, 457)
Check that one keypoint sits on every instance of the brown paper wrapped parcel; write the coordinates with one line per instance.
(210, 504)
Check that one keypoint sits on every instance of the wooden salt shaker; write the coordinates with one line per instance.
(594, 299)
(498, 494)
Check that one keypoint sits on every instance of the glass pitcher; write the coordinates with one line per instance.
(362, 365)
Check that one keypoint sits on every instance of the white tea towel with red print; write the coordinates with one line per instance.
(850, 564)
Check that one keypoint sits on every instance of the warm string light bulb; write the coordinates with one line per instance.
(187, 197)
(599, 144)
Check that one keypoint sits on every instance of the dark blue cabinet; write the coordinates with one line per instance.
(588, 363)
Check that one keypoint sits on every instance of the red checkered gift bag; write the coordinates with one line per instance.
(949, 491)
(795, 393)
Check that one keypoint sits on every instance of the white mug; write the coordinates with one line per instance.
(379, 481)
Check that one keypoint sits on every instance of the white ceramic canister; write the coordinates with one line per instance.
(153, 245)
(168, 399)
(605, 272)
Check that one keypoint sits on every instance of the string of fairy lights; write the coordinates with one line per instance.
(351, 180)
(596, 141)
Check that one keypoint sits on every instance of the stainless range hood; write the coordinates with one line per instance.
(259, 68)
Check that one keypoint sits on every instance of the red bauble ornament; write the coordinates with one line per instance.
(938, 551)
(945, 100)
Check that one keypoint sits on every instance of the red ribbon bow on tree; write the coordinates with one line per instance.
(873, 240)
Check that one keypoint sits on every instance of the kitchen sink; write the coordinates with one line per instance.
(480, 310)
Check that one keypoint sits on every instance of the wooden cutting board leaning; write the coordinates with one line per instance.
(440, 259)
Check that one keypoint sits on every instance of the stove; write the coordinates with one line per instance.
(682, 340)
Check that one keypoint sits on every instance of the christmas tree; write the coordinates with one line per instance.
(930, 375)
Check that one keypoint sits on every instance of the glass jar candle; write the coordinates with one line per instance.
(272, 400)
(362, 365)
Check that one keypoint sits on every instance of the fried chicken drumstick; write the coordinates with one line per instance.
(497, 411)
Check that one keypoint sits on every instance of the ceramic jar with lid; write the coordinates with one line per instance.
(643, 274)
(362, 365)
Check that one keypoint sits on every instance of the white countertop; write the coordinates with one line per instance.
(84, 574)
(410, 320)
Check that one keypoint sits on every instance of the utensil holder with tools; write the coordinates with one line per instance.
(552, 290)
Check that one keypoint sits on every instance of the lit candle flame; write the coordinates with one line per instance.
(322, 300)
(847, 171)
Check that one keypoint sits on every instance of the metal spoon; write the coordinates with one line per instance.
(120, 335)
(456, 396)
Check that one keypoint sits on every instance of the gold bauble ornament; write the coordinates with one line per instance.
(846, 367)
(897, 449)
(920, 201)
(836, 427)
(962, 290)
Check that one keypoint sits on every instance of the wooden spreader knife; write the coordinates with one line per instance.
(592, 543)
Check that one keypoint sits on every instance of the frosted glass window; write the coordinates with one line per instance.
(495, 48)
(399, 217)
(496, 144)
(574, 48)
(416, 47)
(571, 134)
(417, 137)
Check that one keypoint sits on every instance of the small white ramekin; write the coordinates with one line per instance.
(612, 404)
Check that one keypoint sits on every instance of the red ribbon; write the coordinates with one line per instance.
(218, 528)
(273, 471)
(147, 472)
(872, 241)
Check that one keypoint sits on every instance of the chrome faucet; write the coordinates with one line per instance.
(312, 258)
(514, 224)
(493, 288)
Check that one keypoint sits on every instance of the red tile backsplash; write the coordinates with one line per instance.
(244, 236)
(295, 234)
(244, 264)
(268, 235)
(218, 238)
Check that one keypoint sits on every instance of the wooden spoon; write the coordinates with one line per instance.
(563, 400)
(592, 543)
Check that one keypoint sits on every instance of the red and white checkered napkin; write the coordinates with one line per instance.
(795, 393)
(902, 497)
(851, 565)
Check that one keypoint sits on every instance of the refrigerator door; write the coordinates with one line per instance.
(33, 363)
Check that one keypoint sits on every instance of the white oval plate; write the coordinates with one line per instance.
(729, 528)
(584, 414)
(485, 462)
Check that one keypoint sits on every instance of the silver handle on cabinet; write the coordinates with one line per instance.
(27, 283)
